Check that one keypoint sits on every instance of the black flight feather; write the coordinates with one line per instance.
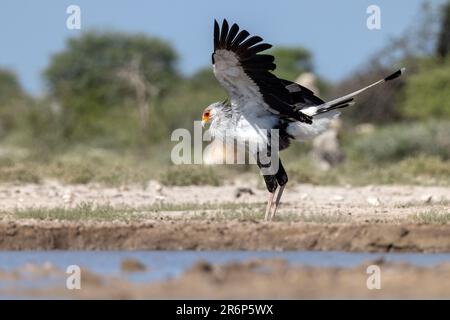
(258, 66)
(238, 40)
(223, 34)
(231, 35)
(216, 35)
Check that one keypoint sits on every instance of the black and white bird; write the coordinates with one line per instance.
(259, 103)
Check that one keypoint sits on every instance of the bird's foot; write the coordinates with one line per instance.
(272, 206)
(269, 205)
(277, 202)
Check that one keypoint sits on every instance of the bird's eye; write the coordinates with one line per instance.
(207, 114)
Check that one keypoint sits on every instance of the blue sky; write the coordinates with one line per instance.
(335, 31)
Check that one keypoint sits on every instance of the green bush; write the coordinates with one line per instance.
(291, 62)
(399, 141)
(188, 100)
(102, 78)
(18, 174)
(9, 86)
(427, 93)
(420, 170)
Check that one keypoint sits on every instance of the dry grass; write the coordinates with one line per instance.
(433, 217)
(217, 212)
(82, 165)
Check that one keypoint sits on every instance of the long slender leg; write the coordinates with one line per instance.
(271, 184)
(277, 202)
(269, 205)
(282, 180)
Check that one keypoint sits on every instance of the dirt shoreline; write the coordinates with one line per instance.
(226, 235)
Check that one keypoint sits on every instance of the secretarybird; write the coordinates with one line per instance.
(262, 106)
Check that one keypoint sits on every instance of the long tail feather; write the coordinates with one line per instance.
(347, 100)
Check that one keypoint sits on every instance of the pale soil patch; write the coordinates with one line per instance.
(381, 203)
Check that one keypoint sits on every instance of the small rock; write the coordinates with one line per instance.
(68, 198)
(373, 201)
(202, 267)
(377, 261)
(124, 188)
(132, 265)
(240, 191)
(144, 195)
(91, 278)
(160, 198)
(36, 269)
(154, 186)
(338, 198)
(48, 266)
(304, 196)
(52, 193)
(426, 198)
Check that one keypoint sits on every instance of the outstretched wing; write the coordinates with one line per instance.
(246, 75)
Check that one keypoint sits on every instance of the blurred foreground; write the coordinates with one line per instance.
(269, 278)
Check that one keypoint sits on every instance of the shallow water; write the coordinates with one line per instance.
(168, 264)
(162, 265)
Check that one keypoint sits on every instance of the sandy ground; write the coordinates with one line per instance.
(256, 279)
(387, 203)
(372, 218)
